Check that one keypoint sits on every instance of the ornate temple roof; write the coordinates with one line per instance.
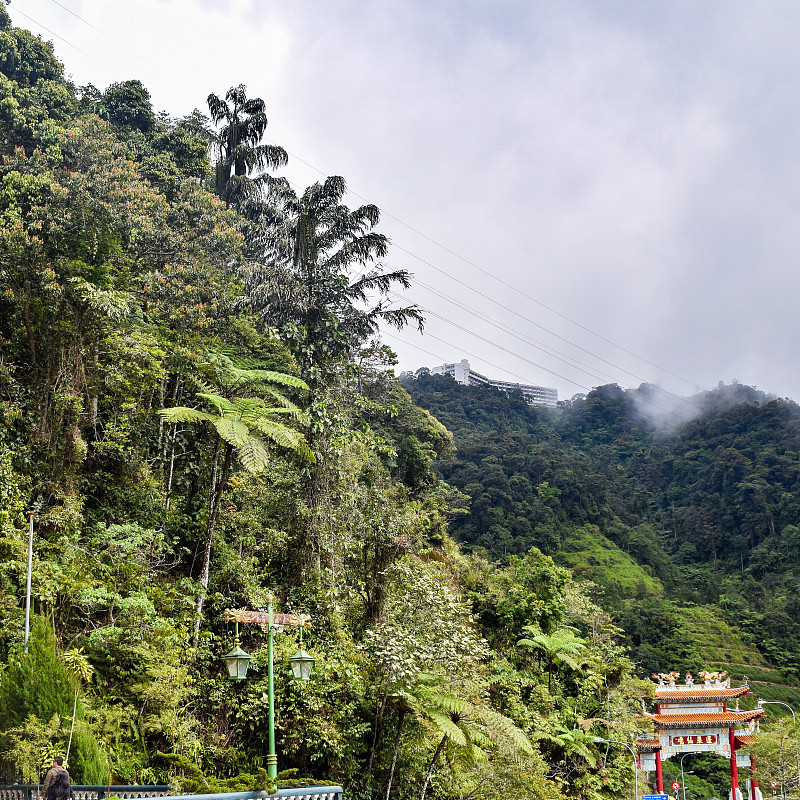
(700, 720)
(647, 745)
(699, 693)
(745, 739)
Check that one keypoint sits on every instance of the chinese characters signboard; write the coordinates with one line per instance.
(676, 741)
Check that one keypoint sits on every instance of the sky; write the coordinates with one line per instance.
(586, 192)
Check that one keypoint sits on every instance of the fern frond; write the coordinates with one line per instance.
(223, 406)
(453, 705)
(285, 437)
(564, 658)
(501, 729)
(248, 405)
(278, 377)
(447, 727)
(184, 414)
(233, 431)
(276, 395)
(253, 454)
(481, 739)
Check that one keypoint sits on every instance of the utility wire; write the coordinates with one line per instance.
(592, 372)
(500, 280)
(567, 359)
(446, 320)
(517, 314)
(467, 353)
(649, 400)
(587, 370)
(45, 28)
(78, 16)
(448, 250)
(539, 345)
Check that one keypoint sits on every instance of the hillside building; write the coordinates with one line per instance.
(461, 373)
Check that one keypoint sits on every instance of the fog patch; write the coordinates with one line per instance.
(666, 411)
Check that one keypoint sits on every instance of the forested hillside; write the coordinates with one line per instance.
(663, 519)
(196, 412)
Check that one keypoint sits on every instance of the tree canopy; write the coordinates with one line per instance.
(196, 407)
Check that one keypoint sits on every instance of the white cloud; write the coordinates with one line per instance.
(629, 164)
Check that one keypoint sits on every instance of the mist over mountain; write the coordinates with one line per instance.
(665, 410)
(656, 500)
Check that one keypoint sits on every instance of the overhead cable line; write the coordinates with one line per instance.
(545, 348)
(510, 352)
(649, 400)
(517, 314)
(587, 370)
(441, 246)
(45, 28)
(500, 280)
(447, 321)
(448, 275)
(466, 352)
(78, 16)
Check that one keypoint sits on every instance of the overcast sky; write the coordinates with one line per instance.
(615, 181)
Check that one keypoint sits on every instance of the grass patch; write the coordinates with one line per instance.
(592, 556)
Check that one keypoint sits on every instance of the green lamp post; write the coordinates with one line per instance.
(237, 660)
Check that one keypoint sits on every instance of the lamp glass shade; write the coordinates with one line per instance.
(237, 662)
(302, 664)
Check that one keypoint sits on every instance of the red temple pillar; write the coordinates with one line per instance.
(753, 778)
(659, 774)
(734, 771)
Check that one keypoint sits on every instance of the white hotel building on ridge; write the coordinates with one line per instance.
(461, 373)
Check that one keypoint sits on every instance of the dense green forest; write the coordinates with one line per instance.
(198, 413)
(702, 512)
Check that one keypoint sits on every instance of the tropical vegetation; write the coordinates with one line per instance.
(197, 412)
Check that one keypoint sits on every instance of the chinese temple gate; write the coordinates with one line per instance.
(696, 718)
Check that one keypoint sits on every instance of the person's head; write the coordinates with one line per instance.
(58, 761)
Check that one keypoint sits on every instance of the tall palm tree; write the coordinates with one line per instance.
(238, 143)
(317, 282)
(318, 285)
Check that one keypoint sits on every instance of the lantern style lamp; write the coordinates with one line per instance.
(237, 662)
(302, 664)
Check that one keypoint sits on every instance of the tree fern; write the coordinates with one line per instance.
(559, 647)
(241, 424)
(467, 728)
(253, 454)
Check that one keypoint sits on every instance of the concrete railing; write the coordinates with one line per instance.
(22, 791)
(30, 791)
(302, 793)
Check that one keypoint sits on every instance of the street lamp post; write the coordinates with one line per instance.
(599, 739)
(683, 782)
(761, 704)
(237, 660)
(28, 581)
